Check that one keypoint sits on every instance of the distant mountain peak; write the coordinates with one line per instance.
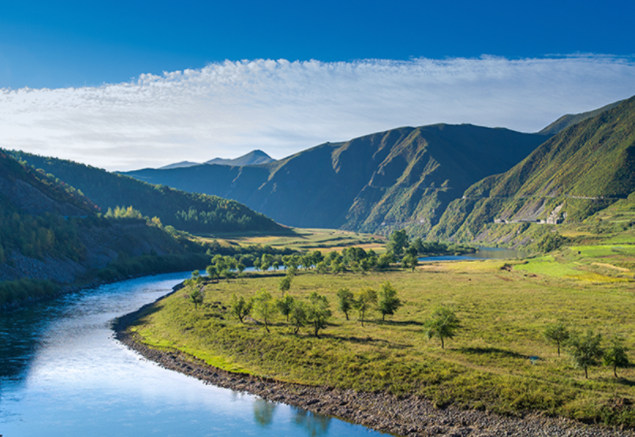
(181, 164)
(255, 157)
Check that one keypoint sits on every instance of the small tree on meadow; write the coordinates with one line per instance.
(285, 284)
(557, 333)
(240, 307)
(285, 305)
(388, 301)
(265, 307)
(585, 350)
(615, 356)
(240, 267)
(442, 324)
(366, 300)
(383, 262)
(212, 273)
(197, 297)
(398, 242)
(298, 315)
(317, 312)
(345, 301)
(410, 262)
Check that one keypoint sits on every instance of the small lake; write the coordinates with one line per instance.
(63, 374)
(481, 253)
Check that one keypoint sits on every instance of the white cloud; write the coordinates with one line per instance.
(282, 107)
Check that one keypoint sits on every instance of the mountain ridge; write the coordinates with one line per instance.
(583, 169)
(370, 183)
(255, 157)
(186, 211)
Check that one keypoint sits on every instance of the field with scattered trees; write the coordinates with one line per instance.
(480, 334)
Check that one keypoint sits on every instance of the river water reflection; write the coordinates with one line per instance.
(63, 374)
(481, 253)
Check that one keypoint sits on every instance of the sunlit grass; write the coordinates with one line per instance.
(503, 314)
(306, 239)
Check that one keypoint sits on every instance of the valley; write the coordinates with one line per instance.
(370, 207)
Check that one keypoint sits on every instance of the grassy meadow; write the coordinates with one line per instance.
(324, 240)
(503, 309)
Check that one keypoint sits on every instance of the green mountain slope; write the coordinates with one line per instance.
(185, 211)
(402, 177)
(570, 119)
(49, 230)
(583, 169)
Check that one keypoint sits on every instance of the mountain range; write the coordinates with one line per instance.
(255, 157)
(383, 180)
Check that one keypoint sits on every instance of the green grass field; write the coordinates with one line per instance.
(487, 365)
(305, 239)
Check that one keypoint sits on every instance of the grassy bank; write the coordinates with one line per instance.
(487, 366)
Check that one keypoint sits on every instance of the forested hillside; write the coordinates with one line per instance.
(186, 211)
(51, 235)
(580, 171)
(399, 178)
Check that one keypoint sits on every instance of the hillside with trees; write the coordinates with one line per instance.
(51, 235)
(389, 180)
(583, 170)
(190, 212)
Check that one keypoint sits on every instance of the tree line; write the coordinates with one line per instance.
(586, 350)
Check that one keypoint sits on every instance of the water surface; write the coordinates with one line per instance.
(63, 374)
(481, 253)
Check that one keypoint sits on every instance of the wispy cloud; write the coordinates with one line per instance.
(282, 107)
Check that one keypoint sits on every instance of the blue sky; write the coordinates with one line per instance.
(76, 43)
(342, 69)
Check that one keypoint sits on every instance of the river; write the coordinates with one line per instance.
(63, 374)
(480, 254)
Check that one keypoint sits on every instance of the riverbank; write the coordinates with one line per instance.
(379, 410)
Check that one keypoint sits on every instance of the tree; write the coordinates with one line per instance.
(257, 263)
(240, 307)
(285, 305)
(398, 242)
(285, 284)
(212, 273)
(557, 333)
(585, 350)
(366, 299)
(322, 268)
(384, 260)
(336, 267)
(442, 324)
(345, 301)
(317, 312)
(265, 307)
(388, 301)
(410, 262)
(298, 315)
(615, 356)
(197, 297)
(551, 242)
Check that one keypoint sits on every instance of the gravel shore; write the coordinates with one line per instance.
(409, 416)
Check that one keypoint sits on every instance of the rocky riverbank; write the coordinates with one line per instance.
(409, 416)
